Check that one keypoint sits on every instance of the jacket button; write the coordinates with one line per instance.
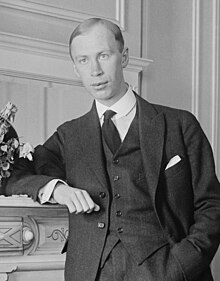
(102, 194)
(101, 225)
(120, 230)
(118, 213)
(115, 178)
(115, 161)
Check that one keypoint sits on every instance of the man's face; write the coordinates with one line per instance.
(99, 64)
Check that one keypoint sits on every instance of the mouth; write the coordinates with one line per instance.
(99, 85)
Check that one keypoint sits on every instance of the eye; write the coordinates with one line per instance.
(104, 56)
(82, 60)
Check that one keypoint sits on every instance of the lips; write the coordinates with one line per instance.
(99, 84)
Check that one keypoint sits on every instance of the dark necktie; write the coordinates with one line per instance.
(110, 132)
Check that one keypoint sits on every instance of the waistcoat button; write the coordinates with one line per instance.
(101, 225)
(115, 178)
(120, 230)
(102, 194)
(115, 161)
(118, 213)
(117, 195)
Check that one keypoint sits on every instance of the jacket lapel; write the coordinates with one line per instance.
(151, 129)
(91, 144)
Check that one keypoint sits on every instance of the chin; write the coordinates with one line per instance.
(102, 95)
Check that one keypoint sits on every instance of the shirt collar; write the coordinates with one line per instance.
(122, 107)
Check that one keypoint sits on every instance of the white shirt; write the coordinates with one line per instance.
(125, 109)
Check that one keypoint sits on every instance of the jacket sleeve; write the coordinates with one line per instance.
(197, 249)
(48, 163)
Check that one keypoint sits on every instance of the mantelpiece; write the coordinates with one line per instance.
(31, 239)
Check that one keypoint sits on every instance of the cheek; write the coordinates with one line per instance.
(117, 74)
(114, 71)
(84, 76)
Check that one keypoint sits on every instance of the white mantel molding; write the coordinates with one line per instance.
(42, 60)
(25, 44)
(24, 201)
(32, 264)
(48, 224)
(19, 43)
(46, 79)
(5, 269)
(62, 13)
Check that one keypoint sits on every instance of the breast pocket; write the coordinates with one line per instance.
(177, 169)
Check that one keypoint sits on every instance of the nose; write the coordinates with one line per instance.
(96, 69)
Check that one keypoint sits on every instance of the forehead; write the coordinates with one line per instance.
(96, 39)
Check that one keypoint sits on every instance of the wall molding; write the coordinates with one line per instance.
(25, 201)
(40, 77)
(120, 13)
(195, 56)
(25, 44)
(62, 13)
(198, 11)
(215, 79)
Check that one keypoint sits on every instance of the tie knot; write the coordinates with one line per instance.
(109, 114)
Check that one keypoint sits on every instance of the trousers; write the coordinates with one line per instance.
(120, 266)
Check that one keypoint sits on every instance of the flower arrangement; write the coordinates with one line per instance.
(10, 147)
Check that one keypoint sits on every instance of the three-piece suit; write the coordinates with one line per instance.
(167, 219)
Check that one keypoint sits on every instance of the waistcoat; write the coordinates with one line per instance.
(133, 220)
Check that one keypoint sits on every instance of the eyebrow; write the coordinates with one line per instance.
(82, 56)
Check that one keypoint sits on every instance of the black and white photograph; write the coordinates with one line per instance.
(109, 140)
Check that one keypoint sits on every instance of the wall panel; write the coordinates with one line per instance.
(53, 21)
(30, 99)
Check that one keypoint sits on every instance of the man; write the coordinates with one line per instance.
(145, 210)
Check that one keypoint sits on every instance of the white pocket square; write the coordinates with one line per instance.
(173, 161)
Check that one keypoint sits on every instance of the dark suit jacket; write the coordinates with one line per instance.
(186, 197)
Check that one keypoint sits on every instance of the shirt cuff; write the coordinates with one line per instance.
(45, 193)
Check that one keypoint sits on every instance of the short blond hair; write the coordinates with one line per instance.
(90, 23)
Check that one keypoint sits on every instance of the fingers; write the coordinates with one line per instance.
(83, 202)
(96, 208)
(92, 206)
(77, 200)
(71, 207)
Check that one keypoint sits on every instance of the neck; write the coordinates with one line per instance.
(110, 102)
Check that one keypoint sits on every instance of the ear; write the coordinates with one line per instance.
(125, 57)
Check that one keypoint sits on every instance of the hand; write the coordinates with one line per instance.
(77, 200)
